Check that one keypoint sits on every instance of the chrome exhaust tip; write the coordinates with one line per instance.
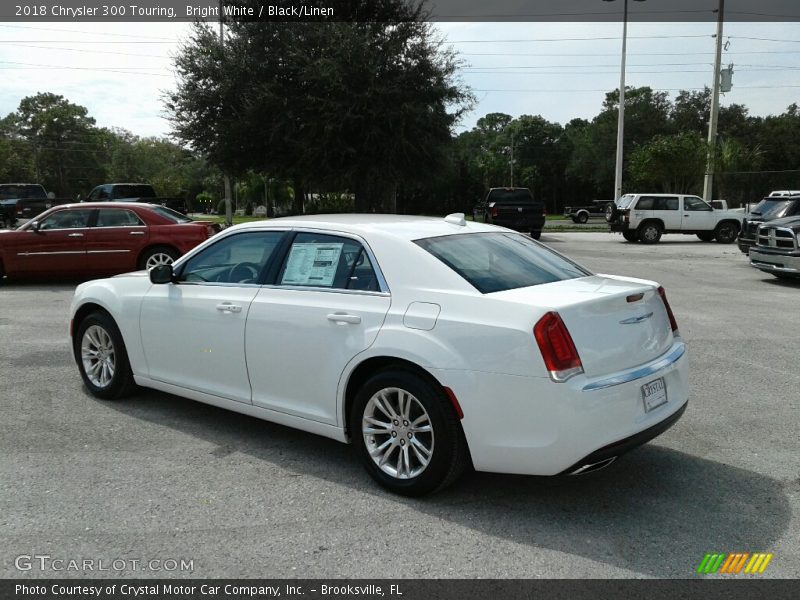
(593, 466)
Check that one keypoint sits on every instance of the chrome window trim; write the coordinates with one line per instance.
(640, 372)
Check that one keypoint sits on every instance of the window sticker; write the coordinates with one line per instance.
(312, 264)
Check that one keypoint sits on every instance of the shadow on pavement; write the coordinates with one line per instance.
(656, 511)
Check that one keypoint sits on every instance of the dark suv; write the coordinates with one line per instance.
(514, 208)
(773, 207)
(21, 200)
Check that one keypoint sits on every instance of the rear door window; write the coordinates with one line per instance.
(494, 262)
(510, 196)
(328, 261)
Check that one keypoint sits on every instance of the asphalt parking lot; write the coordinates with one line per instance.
(159, 477)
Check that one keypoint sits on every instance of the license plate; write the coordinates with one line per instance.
(654, 394)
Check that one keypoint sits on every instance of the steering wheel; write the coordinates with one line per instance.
(242, 272)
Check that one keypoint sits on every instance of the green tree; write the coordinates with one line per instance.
(670, 163)
(349, 105)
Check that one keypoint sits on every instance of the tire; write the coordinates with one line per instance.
(157, 255)
(582, 217)
(630, 236)
(649, 232)
(611, 212)
(536, 234)
(706, 237)
(574, 220)
(99, 342)
(726, 232)
(444, 447)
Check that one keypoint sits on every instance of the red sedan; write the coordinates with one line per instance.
(98, 239)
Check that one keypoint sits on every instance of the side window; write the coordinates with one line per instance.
(645, 203)
(239, 258)
(693, 203)
(102, 194)
(328, 261)
(116, 217)
(67, 219)
(92, 197)
(662, 203)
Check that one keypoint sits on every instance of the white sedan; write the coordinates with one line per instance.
(429, 344)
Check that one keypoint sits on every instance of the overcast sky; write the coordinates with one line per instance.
(120, 71)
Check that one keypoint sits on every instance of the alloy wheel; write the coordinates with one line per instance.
(398, 433)
(158, 258)
(98, 356)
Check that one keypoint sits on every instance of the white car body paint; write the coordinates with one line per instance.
(296, 362)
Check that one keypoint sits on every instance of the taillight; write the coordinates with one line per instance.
(558, 350)
(672, 322)
(626, 216)
(493, 209)
(544, 211)
(19, 208)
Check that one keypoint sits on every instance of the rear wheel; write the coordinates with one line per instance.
(582, 217)
(630, 236)
(536, 234)
(159, 255)
(726, 232)
(102, 358)
(650, 232)
(407, 434)
(706, 237)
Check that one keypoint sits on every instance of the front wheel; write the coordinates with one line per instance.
(536, 234)
(649, 233)
(582, 217)
(630, 236)
(160, 255)
(102, 358)
(407, 434)
(726, 233)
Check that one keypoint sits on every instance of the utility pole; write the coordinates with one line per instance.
(708, 183)
(511, 162)
(226, 179)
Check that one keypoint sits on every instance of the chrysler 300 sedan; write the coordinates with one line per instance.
(428, 344)
(98, 239)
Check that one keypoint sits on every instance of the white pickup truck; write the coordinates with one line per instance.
(646, 217)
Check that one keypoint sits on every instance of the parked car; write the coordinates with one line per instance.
(777, 251)
(772, 207)
(493, 347)
(24, 201)
(96, 239)
(514, 208)
(646, 217)
(779, 193)
(581, 214)
(134, 192)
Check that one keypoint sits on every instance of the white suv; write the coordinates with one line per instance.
(645, 217)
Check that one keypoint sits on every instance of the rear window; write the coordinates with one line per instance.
(625, 201)
(9, 192)
(172, 215)
(494, 262)
(510, 196)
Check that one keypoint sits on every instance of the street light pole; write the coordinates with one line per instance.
(225, 178)
(621, 117)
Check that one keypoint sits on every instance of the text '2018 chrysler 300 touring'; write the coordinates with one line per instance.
(429, 344)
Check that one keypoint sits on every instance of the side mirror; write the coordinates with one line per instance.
(35, 225)
(161, 274)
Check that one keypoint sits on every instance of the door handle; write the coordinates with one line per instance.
(75, 235)
(344, 318)
(687, 216)
(137, 233)
(227, 307)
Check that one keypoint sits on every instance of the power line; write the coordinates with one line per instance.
(27, 66)
(92, 51)
(542, 91)
(87, 42)
(83, 32)
(584, 54)
(582, 39)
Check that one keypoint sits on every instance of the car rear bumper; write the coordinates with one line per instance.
(532, 426)
(745, 244)
(775, 263)
(618, 227)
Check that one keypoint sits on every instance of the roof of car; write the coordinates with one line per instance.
(399, 226)
(145, 205)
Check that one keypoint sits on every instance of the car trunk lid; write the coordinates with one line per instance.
(615, 323)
